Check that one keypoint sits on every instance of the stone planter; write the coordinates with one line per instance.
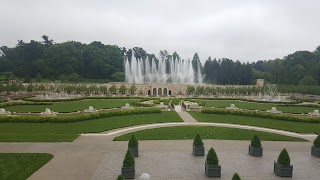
(198, 151)
(135, 152)
(315, 151)
(128, 172)
(213, 170)
(255, 151)
(282, 170)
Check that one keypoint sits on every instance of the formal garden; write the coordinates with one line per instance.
(111, 114)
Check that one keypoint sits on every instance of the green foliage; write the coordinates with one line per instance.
(113, 89)
(284, 158)
(120, 177)
(118, 76)
(133, 142)
(197, 141)
(236, 177)
(190, 89)
(212, 158)
(316, 142)
(133, 88)
(128, 160)
(255, 142)
(122, 89)
(263, 115)
(66, 119)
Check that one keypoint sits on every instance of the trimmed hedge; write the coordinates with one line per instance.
(255, 142)
(133, 142)
(284, 158)
(128, 160)
(316, 142)
(249, 100)
(23, 103)
(197, 141)
(67, 119)
(262, 115)
(212, 158)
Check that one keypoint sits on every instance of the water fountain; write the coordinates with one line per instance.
(3, 112)
(162, 71)
(192, 105)
(162, 106)
(90, 109)
(127, 106)
(315, 113)
(48, 112)
(274, 111)
(232, 107)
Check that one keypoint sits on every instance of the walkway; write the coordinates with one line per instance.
(186, 117)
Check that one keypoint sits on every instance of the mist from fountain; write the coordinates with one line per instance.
(162, 71)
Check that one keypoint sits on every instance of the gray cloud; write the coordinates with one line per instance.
(246, 30)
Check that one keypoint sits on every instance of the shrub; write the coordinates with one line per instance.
(284, 158)
(133, 142)
(212, 158)
(128, 160)
(255, 142)
(197, 141)
(120, 177)
(316, 142)
(236, 177)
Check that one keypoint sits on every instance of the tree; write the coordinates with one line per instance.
(128, 160)
(190, 90)
(113, 89)
(212, 158)
(118, 76)
(46, 42)
(133, 142)
(255, 142)
(236, 177)
(133, 89)
(122, 89)
(197, 141)
(307, 81)
(284, 158)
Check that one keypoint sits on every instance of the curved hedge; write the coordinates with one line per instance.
(24, 103)
(67, 119)
(88, 97)
(263, 115)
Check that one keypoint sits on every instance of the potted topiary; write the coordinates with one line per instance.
(236, 177)
(128, 170)
(120, 177)
(255, 148)
(212, 167)
(198, 148)
(315, 149)
(282, 167)
(133, 146)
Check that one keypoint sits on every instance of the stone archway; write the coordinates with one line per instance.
(165, 91)
(160, 92)
(149, 92)
(169, 92)
(154, 91)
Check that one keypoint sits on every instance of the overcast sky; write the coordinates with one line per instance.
(246, 30)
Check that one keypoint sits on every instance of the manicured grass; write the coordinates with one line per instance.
(21, 166)
(256, 121)
(61, 132)
(71, 106)
(258, 106)
(189, 132)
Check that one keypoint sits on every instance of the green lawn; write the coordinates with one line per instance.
(258, 106)
(71, 106)
(17, 166)
(256, 121)
(61, 132)
(189, 132)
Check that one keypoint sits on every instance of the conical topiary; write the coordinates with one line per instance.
(133, 142)
(284, 158)
(255, 142)
(316, 142)
(236, 177)
(128, 160)
(120, 177)
(212, 158)
(197, 141)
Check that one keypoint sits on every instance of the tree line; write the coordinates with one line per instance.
(73, 61)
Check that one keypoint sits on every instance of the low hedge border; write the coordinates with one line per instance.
(88, 97)
(67, 119)
(23, 103)
(248, 100)
(262, 115)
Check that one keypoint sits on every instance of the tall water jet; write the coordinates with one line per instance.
(165, 70)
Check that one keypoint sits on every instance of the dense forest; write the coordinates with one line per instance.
(73, 61)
